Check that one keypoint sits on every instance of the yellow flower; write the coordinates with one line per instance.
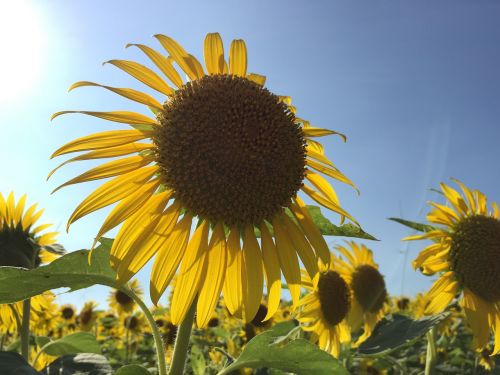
(121, 302)
(465, 250)
(326, 307)
(87, 316)
(22, 244)
(223, 156)
(367, 284)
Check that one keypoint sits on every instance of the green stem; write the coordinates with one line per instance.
(430, 360)
(160, 350)
(182, 342)
(25, 330)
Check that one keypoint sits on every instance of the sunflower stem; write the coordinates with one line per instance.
(25, 330)
(430, 360)
(182, 342)
(160, 350)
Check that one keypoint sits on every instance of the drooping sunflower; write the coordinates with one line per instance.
(22, 242)
(465, 251)
(369, 294)
(221, 157)
(325, 309)
(121, 302)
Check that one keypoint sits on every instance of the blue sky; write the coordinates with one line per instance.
(414, 85)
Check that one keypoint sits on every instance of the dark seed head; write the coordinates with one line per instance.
(123, 299)
(368, 286)
(475, 255)
(230, 150)
(257, 321)
(67, 312)
(334, 297)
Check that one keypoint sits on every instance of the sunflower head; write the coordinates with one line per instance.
(21, 242)
(68, 312)
(465, 249)
(334, 297)
(222, 157)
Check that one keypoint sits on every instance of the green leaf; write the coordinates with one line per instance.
(132, 370)
(71, 270)
(13, 363)
(395, 331)
(79, 342)
(198, 364)
(326, 227)
(299, 356)
(414, 225)
(42, 340)
(81, 364)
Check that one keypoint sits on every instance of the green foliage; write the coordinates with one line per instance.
(270, 350)
(13, 363)
(414, 225)
(395, 331)
(79, 342)
(327, 228)
(81, 364)
(132, 370)
(72, 271)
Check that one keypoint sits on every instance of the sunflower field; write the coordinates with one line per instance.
(221, 187)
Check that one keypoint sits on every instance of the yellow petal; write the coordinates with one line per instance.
(233, 283)
(106, 153)
(332, 172)
(319, 132)
(313, 234)
(180, 56)
(164, 64)
(238, 58)
(327, 203)
(302, 247)
(138, 226)
(442, 292)
(477, 311)
(273, 272)
(19, 209)
(257, 78)
(496, 349)
(191, 274)
(144, 75)
(127, 207)
(134, 95)
(110, 169)
(112, 138)
(124, 117)
(27, 217)
(468, 195)
(322, 185)
(312, 153)
(252, 295)
(455, 198)
(288, 260)
(169, 256)
(112, 191)
(214, 54)
(158, 239)
(212, 286)
(47, 239)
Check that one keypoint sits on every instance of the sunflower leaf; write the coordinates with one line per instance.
(414, 225)
(396, 330)
(84, 363)
(79, 342)
(13, 363)
(326, 227)
(71, 271)
(132, 370)
(299, 356)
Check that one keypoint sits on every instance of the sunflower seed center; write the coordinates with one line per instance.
(369, 289)
(334, 297)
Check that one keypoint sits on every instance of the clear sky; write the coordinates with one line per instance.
(414, 85)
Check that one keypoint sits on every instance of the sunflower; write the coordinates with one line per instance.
(222, 155)
(324, 310)
(87, 316)
(465, 251)
(367, 284)
(121, 302)
(22, 244)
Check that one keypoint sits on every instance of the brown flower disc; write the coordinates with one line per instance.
(368, 286)
(334, 297)
(230, 150)
(475, 255)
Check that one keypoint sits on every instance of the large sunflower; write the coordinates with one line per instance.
(325, 309)
(466, 253)
(367, 284)
(222, 155)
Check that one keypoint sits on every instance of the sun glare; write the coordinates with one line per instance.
(22, 39)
